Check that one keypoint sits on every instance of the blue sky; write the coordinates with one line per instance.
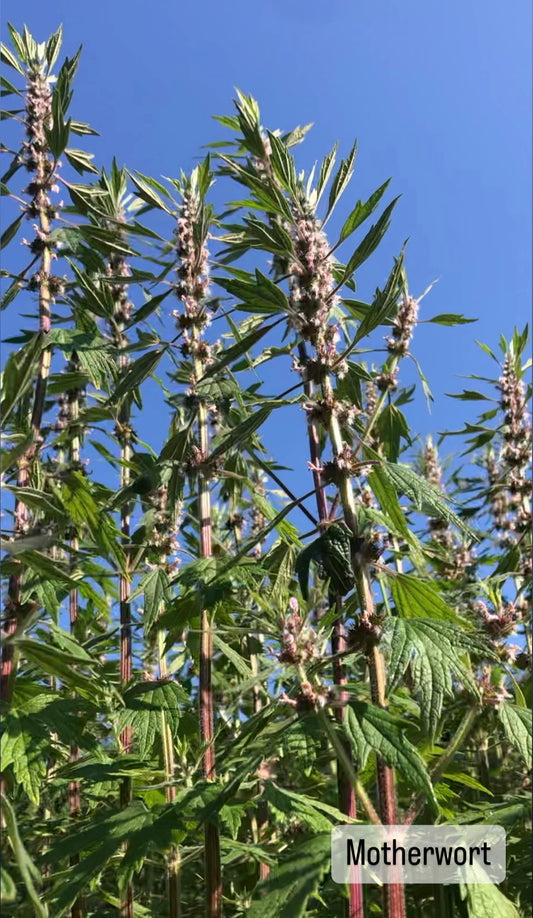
(438, 94)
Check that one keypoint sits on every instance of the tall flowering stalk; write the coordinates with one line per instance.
(313, 284)
(192, 319)
(117, 267)
(42, 122)
(311, 299)
(68, 417)
(515, 456)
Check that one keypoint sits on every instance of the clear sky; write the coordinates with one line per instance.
(439, 95)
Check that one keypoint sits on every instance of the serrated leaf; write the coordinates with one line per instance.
(431, 650)
(18, 374)
(370, 242)
(236, 350)
(332, 552)
(155, 588)
(148, 188)
(383, 304)
(362, 211)
(516, 722)
(425, 496)
(239, 662)
(99, 839)
(24, 749)
(84, 510)
(76, 669)
(312, 552)
(373, 729)
(9, 58)
(313, 813)
(144, 704)
(241, 432)
(415, 598)
(80, 160)
(296, 878)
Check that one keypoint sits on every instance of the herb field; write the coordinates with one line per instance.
(205, 666)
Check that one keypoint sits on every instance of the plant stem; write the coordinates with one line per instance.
(207, 735)
(393, 894)
(346, 792)
(77, 909)
(42, 180)
(346, 763)
(116, 267)
(173, 858)
(457, 742)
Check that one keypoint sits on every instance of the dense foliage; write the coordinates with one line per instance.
(203, 672)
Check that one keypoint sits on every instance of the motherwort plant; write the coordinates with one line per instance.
(244, 600)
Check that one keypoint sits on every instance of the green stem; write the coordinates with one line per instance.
(174, 858)
(207, 733)
(457, 742)
(346, 763)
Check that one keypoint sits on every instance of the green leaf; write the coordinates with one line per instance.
(147, 189)
(8, 890)
(315, 814)
(236, 350)
(283, 163)
(239, 662)
(341, 180)
(326, 169)
(393, 428)
(415, 598)
(80, 160)
(24, 748)
(242, 432)
(516, 722)
(425, 496)
(27, 869)
(370, 242)
(18, 374)
(9, 58)
(486, 901)
(10, 232)
(144, 704)
(58, 134)
(469, 395)
(137, 372)
(332, 552)
(84, 510)
(76, 668)
(385, 493)
(155, 588)
(450, 318)
(384, 302)
(147, 309)
(361, 211)
(432, 651)
(290, 885)
(12, 291)
(99, 839)
(259, 294)
(373, 729)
